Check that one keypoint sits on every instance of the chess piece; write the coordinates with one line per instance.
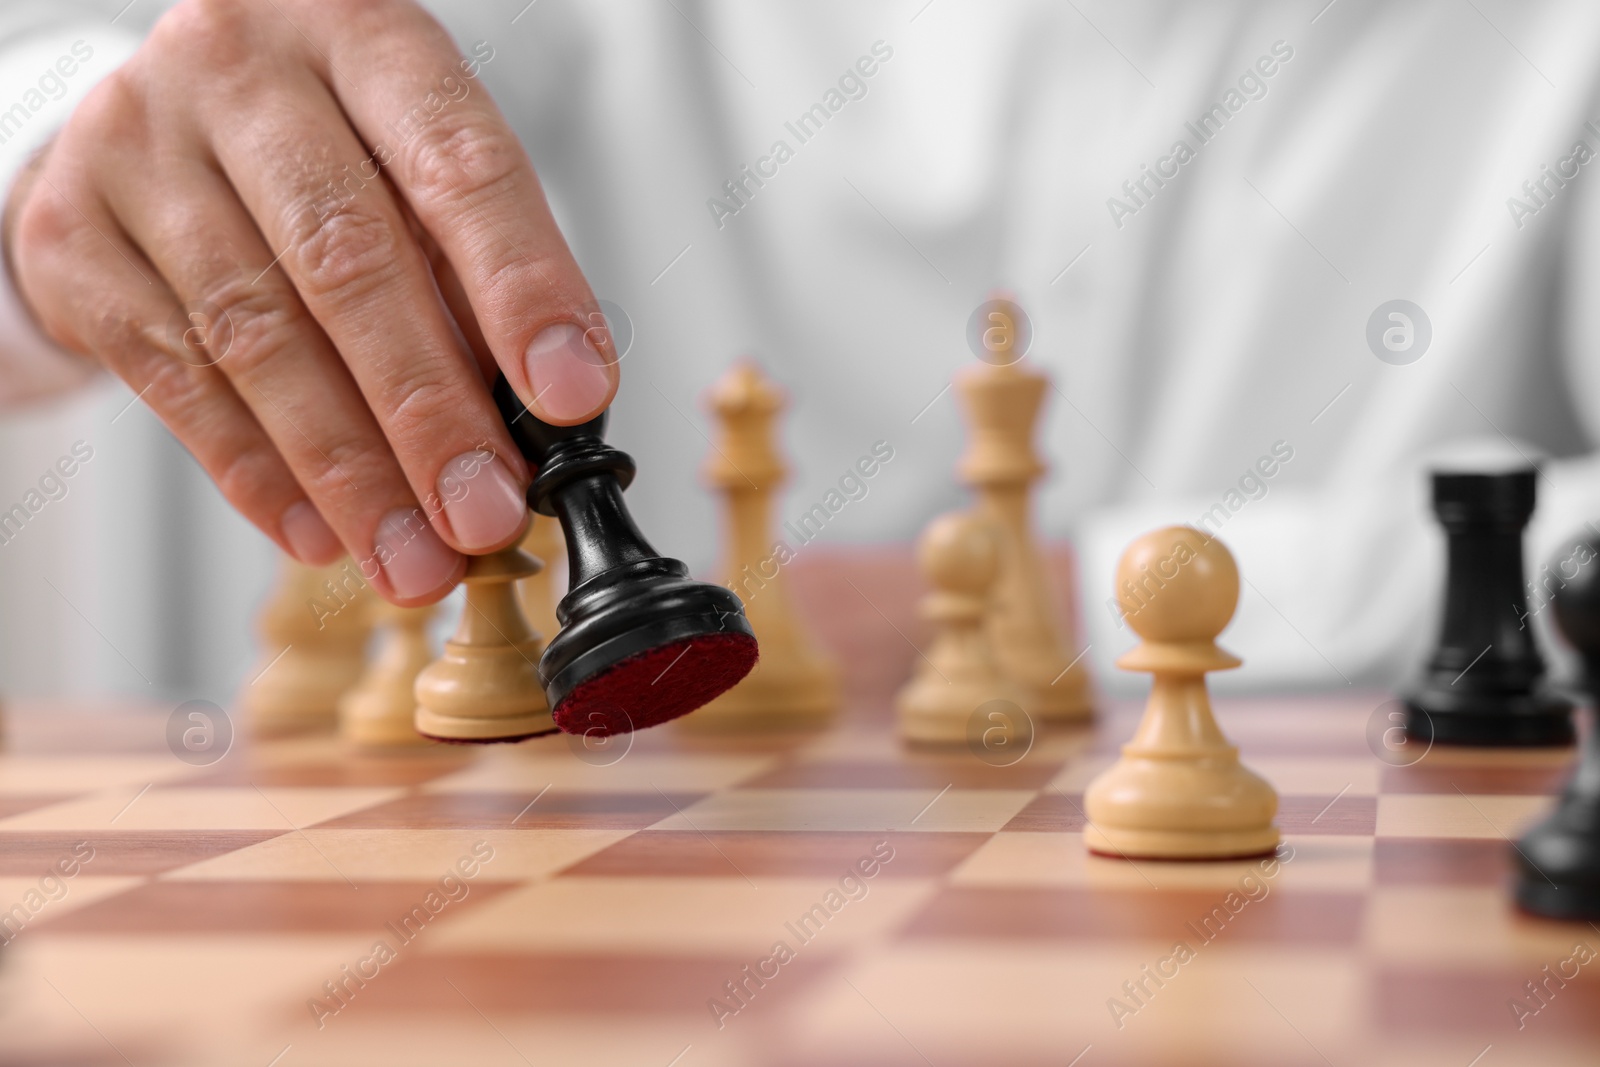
(1559, 859)
(486, 686)
(641, 642)
(1482, 685)
(537, 591)
(793, 685)
(1179, 791)
(1002, 403)
(314, 632)
(381, 708)
(959, 554)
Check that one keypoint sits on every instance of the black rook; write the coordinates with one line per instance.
(1482, 685)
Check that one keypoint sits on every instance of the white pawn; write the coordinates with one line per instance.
(959, 554)
(314, 630)
(381, 708)
(1179, 791)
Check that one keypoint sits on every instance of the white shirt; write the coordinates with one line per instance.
(1348, 158)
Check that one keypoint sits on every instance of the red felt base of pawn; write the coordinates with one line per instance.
(656, 686)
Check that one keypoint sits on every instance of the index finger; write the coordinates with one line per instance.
(463, 172)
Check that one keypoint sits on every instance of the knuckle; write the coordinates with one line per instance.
(347, 254)
(248, 475)
(219, 34)
(112, 112)
(331, 463)
(456, 155)
(338, 466)
(260, 321)
(43, 222)
(511, 282)
(122, 340)
(174, 387)
(420, 397)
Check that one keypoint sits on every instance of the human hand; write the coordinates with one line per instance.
(304, 234)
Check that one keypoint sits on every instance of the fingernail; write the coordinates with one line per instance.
(482, 500)
(310, 538)
(413, 557)
(567, 374)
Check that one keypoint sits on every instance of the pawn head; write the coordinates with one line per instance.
(1177, 584)
(959, 553)
(1576, 598)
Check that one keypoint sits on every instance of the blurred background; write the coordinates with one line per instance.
(1197, 308)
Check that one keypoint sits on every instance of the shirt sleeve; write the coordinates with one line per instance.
(47, 65)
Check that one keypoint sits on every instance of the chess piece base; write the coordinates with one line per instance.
(770, 700)
(1558, 861)
(379, 718)
(932, 711)
(1178, 806)
(458, 729)
(300, 691)
(1066, 701)
(933, 730)
(1577, 901)
(1179, 844)
(483, 694)
(1450, 716)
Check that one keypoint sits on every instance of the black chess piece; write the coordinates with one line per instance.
(1559, 859)
(1483, 683)
(640, 642)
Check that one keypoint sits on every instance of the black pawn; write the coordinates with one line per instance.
(626, 603)
(1482, 685)
(1559, 859)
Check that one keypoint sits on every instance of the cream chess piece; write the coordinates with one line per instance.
(1179, 791)
(486, 686)
(793, 685)
(537, 592)
(381, 708)
(959, 554)
(314, 630)
(1002, 405)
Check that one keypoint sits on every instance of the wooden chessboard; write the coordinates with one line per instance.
(613, 894)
